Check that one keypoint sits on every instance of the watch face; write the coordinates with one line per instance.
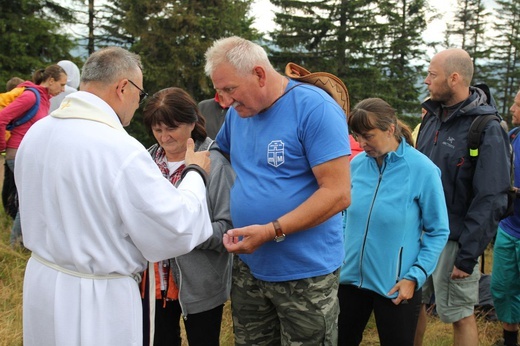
(279, 238)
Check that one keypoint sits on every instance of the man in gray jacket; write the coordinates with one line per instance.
(475, 196)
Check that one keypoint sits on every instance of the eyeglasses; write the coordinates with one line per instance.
(142, 94)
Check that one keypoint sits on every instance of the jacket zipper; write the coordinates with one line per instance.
(457, 169)
(435, 140)
(179, 285)
(399, 261)
(381, 170)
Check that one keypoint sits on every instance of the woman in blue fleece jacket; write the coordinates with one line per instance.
(395, 228)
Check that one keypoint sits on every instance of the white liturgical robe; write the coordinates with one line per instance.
(94, 208)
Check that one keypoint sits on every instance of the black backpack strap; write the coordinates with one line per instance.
(475, 133)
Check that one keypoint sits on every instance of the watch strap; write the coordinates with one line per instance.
(279, 235)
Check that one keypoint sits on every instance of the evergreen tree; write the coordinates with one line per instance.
(470, 25)
(399, 52)
(328, 35)
(30, 36)
(172, 38)
(370, 45)
(98, 24)
(506, 54)
(113, 26)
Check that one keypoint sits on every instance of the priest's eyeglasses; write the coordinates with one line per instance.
(142, 94)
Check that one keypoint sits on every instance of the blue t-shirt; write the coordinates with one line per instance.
(273, 154)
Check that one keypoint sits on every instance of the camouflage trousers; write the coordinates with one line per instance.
(299, 312)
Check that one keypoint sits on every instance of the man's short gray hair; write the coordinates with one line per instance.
(242, 54)
(109, 64)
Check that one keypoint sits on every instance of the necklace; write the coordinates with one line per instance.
(281, 94)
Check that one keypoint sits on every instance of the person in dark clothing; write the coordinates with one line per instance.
(214, 111)
(476, 193)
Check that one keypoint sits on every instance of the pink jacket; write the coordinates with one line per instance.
(354, 147)
(17, 108)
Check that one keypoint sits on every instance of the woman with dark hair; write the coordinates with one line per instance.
(395, 228)
(195, 285)
(47, 83)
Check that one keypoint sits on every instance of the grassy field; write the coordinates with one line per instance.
(12, 264)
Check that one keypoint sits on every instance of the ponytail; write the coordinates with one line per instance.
(53, 71)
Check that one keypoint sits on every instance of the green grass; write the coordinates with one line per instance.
(12, 266)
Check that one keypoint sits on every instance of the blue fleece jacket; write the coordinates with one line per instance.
(391, 206)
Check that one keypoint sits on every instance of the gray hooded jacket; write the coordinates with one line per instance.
(204, 275)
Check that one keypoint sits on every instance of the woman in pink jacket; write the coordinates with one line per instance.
(48, 82)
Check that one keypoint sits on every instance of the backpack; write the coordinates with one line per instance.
(474, 135)
(9, 192)
(8, 97)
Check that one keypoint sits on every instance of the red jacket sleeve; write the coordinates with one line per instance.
(14, 110)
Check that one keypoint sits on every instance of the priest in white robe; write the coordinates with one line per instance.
(95, 208)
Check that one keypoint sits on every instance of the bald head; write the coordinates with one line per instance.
(456, 60)
(449, 76)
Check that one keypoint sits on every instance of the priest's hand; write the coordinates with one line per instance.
(200, 158)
